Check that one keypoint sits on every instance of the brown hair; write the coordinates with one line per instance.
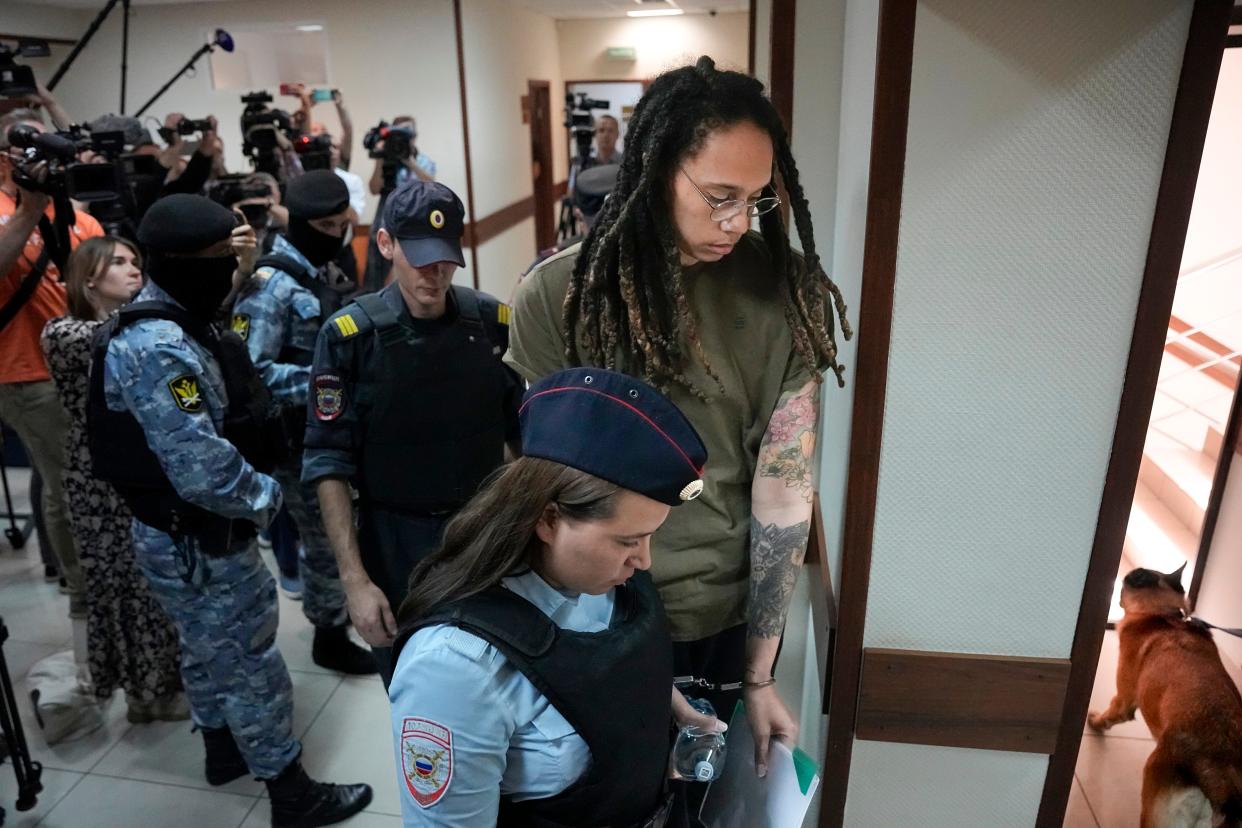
(493, 536)
(88, 261)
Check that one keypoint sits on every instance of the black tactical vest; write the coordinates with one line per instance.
(330, 301)
(434, 422)
(119, 450)
(613, 687)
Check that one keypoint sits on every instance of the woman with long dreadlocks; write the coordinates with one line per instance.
(671, 286)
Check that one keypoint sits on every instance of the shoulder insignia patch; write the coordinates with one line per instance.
(345, 325)
(241, 325)
(329, 397)
(426, 759)
(503, 313)
(185, 393)
(264, 273)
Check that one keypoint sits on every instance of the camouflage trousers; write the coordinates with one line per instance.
(323, 597)
(226, 614)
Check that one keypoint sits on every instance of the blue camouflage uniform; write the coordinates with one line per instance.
(224, 607)
(280, 321)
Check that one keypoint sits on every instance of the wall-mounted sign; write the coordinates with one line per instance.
(622, 53)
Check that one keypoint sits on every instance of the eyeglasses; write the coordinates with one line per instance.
(724, 209)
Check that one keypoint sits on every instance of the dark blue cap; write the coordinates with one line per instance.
(427, 219)
(617, 428)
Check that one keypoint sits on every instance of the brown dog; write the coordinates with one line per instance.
(1170, 669)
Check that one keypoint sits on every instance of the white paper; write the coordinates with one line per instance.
(740, 799)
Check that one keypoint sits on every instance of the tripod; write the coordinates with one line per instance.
(17, 537)
(28, 773)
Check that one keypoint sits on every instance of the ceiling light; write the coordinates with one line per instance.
(655, 13)
(310, 27)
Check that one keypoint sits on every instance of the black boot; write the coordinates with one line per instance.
(300, 802)
(334, 650)
(224, 760)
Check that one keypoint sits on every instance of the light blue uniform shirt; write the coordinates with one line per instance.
(468, 726)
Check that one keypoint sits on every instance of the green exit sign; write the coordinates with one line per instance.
(622, 53)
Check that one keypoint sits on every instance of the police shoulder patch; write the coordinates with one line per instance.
(345, 325)
(503, 313)
(241, 325)
(426, 759)
(329, 397)
(264, 273)
(185, 393)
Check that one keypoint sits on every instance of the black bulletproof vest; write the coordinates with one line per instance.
(612, 686)
(434, 410)
(118, 446)
(330, 301)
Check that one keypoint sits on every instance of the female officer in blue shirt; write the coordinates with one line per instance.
(535, 669)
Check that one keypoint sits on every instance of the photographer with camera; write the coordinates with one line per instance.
(607, 132)
(267, 137)
(31, 294)
(192, 176)
(397, 160)
(278, 313)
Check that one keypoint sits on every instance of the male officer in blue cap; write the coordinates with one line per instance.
(409, 403)
(278, 313)
(177, 425)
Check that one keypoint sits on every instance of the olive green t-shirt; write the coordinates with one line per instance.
(700, 557)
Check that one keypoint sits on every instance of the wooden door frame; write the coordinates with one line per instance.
(1192, 108)
(544, 185)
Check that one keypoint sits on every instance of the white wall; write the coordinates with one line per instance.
(1036, 141)
(506, 46)
(388, 57)
(1214, 219)
(763, 40)
(662, 43)
(38, 20)
(1222, 580)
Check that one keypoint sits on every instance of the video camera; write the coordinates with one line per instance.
(315, 151)
(580, 122)
(398, 145)
(228, 190)
(15, 81)
(259, 125)
(116, 190)
(186, 126)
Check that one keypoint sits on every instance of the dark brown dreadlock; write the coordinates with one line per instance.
(627, 289)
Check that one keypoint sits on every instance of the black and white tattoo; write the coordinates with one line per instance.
(776, 554)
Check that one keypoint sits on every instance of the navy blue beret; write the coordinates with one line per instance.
(617, 428)
(182, 223)
(316, 194)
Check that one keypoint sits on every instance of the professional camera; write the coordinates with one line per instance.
(185, 126)
(57, 151)
(397, 142)
(315, 151)
(259, 125)
(397, 146)
(580, 122)
(230, 190)
(15, 81)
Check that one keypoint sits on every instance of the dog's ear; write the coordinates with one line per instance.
(1174, 579)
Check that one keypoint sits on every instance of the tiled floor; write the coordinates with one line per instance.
(150, 776)
(1108, 779)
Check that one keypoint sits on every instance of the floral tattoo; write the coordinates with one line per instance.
(788, 445)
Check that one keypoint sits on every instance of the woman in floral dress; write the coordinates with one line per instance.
(131, 644)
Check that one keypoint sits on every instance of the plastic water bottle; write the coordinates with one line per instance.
(699, 755)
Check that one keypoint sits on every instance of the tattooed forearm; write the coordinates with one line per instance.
(776, 554)
(789, 442)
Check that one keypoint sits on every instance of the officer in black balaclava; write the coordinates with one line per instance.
(177, 421)
(278, 314)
